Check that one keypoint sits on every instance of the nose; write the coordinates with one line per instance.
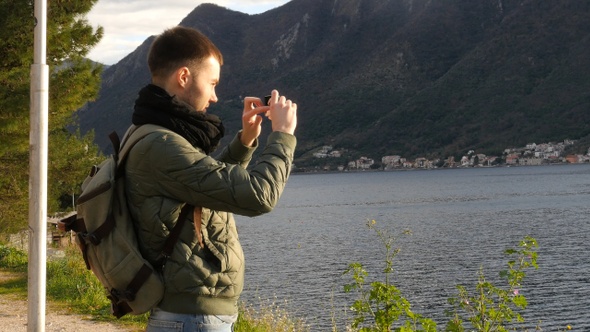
(213, 98)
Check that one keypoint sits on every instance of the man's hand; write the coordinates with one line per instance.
(251, 121)
(283, 113)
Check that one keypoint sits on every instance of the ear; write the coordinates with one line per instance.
(183, 76)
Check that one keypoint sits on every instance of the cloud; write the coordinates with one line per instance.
(128, 23)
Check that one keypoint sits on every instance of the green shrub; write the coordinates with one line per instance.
(493, 308)
(380, 307)
(13, 259)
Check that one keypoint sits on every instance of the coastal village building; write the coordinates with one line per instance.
(327, 152)
(531, 154)
(362, 163)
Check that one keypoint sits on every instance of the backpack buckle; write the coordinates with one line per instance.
(161, 262)
(122, 296)
(94, 239)
(90, 237)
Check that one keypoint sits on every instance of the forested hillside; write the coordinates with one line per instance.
(414, 78)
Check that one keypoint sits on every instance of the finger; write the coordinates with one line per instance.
(283, 100)
(253, 121)
(258, 121)
(252, 102)
(274, 96)
(255, 111)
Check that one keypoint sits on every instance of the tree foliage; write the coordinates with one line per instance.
(73, 81)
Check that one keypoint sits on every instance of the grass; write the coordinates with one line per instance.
(69, 286)
(267, 317)
(72, 285)
(14, 286)
(16, 262)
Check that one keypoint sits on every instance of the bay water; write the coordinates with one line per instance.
(461, 221)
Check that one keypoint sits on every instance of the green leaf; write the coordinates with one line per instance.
(520, 301)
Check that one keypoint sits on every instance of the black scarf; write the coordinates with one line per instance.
(155, 106)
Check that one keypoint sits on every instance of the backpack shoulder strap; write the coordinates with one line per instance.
(173, 237)
(133, 135)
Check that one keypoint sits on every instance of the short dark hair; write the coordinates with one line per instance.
(179, 47)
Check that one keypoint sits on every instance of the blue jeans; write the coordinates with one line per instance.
(163, 321)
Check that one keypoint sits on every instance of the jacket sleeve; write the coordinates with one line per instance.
(236, 153)
(188, 175)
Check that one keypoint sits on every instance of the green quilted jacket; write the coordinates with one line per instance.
(163, 172)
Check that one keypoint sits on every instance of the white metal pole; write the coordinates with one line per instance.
(38, 174)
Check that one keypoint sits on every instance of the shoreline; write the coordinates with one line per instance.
(401, 169)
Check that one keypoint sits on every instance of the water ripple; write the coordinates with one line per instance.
(461, 222)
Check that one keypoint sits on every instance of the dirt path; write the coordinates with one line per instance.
(13, 316)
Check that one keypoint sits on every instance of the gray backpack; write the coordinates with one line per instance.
(106, 235)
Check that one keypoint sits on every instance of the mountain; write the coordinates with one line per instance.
(378, 77)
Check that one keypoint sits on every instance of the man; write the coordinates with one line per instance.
(171, 167)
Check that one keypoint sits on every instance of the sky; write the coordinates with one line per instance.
(127, 23)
